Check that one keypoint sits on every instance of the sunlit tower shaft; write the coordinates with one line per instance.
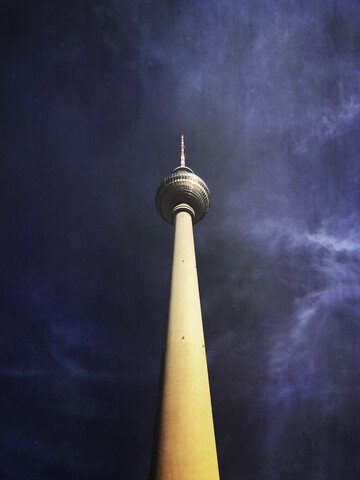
(184, 440)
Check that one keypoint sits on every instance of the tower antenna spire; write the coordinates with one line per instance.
(182, 156)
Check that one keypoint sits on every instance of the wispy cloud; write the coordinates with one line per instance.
(335, 257)
(327, 124)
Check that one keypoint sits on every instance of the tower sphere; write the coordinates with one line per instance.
(180, 189)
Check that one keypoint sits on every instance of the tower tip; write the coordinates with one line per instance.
(182, 156)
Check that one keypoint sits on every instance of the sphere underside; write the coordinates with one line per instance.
(182, 187)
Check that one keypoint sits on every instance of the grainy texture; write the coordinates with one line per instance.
(94, 98)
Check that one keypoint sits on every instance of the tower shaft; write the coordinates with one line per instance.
(184, 444)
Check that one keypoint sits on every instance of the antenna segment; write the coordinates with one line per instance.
(182, 157)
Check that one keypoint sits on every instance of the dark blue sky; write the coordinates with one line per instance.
(94, 98)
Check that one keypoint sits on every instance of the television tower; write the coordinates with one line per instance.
(184, 441)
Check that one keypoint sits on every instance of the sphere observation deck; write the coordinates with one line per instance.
(180, 189)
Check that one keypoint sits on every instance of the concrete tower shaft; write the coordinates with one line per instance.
(184, 440)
